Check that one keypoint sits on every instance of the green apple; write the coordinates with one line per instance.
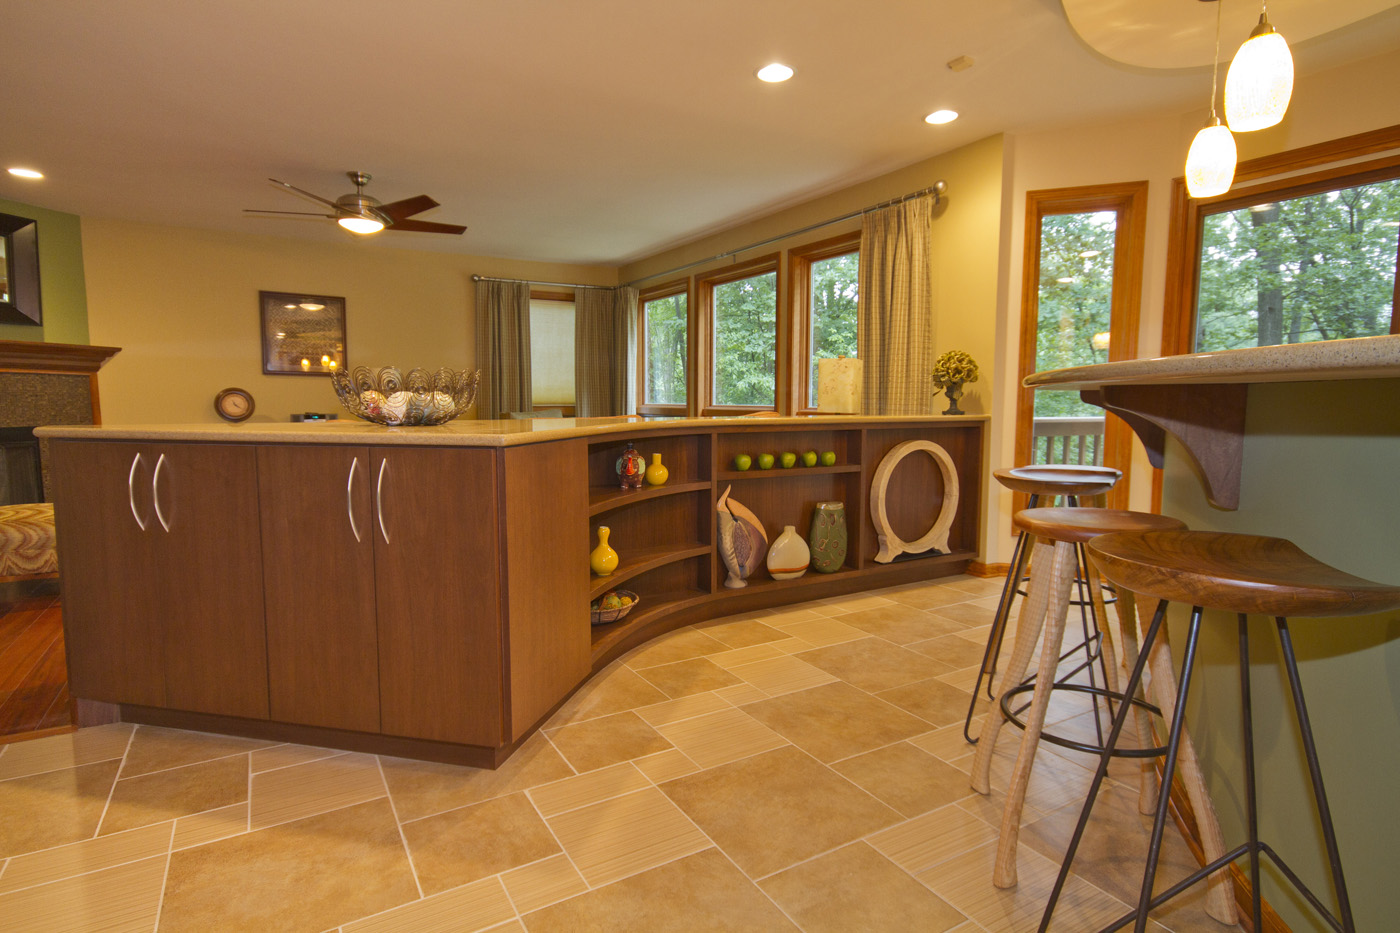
(765, 461)
(743, 462)
(788, 459)
(809, 458)
(829, 458)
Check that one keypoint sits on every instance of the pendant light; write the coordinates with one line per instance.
(1210, 163)
(1260, 80)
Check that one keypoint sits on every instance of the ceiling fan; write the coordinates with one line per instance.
(360, 213)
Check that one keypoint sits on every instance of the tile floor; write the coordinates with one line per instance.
(801, 769)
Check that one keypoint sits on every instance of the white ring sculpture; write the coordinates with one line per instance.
(891, 545)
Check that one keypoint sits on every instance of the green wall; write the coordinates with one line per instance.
(63, 292)
(1320, 468)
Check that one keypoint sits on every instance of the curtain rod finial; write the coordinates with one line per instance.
(940, 187)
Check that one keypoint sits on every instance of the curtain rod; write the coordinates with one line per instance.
(937, 189)
(492, 278)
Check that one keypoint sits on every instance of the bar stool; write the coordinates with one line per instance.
(1057, 534)
(1044, 481)
(1241, 574)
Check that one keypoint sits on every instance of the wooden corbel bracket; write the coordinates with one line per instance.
(1208, 421)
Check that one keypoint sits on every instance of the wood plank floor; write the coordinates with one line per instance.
(33, 670)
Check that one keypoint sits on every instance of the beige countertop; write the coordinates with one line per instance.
(464, 433)
(1358, 358)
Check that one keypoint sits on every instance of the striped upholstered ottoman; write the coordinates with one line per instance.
(27, 540)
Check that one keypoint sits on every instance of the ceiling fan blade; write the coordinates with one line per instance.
(426, 226)
(314, 197)
(408, 207)
(253, 210)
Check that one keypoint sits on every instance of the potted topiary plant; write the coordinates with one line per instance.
(950, 372)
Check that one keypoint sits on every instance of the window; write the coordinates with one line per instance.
(665, 345)
(1080, 291)
(1303, 249)
(826, 284)
(1298, 269)
(552, 349)
(742, 308)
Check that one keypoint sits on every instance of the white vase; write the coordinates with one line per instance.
(789, 556)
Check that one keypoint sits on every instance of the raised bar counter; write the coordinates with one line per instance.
(425, 591)
(1201, 399)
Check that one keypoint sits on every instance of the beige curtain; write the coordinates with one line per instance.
(895, 332)
(503, 347)
(605, 354)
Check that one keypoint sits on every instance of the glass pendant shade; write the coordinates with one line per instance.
(1260, 81)
(1210, 165)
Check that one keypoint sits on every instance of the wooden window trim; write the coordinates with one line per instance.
(652, 293)
(704, 357)
(799, 342)
(1188, 215)
(1129, 201)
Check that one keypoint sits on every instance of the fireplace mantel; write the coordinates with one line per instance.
(24, 356)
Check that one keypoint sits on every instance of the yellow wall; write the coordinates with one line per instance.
(183, 306)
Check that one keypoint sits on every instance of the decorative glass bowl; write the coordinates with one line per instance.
(386, 396)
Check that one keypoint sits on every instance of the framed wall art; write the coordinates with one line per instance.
(302, 335)
(19, 264)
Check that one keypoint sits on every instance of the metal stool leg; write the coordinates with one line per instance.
(1329, 835)
(1124, 710)
(1019, 557)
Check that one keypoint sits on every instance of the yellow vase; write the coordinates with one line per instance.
(656, 473)
(603, 560)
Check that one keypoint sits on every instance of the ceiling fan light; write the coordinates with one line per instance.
(361, 225)
(1260, 81)
(1210, 163)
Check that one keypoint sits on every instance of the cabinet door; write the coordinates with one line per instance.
(318, 567)
(437, 581)
(107, 568)
(208, 577)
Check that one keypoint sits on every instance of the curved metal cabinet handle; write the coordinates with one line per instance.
(131, 491)
(350, 498)
(379, 499)
(155, 493)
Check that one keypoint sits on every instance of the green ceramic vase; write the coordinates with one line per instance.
(827, 539)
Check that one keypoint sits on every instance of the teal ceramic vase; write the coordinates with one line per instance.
(827, 538)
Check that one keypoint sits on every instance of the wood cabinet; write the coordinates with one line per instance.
(316, 505)
(382, 584)
(431, 599)
(162, 575)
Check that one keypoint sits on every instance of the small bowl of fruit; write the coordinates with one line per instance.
(612, 605)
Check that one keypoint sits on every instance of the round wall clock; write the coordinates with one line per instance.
(234, 405)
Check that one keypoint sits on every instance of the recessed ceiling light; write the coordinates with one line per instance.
(1066, 280)
(1090, 253)
(26, 173)
(774, 73)
(939, 117)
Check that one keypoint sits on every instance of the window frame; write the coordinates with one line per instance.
(1279, 179)
(655, 293)
(1129, 201)
(704, 377)
(800, 262)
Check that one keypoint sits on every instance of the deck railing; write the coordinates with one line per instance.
(1068, 440)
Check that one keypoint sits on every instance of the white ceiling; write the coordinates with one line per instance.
(559, 130)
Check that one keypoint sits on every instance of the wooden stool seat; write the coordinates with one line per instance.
(1056, 479)
(1081, 525)
(27, 543)
(1237, 573)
